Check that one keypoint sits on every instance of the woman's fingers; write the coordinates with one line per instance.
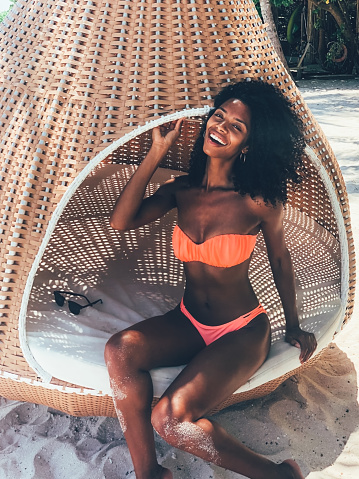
(172, 130)
(305, 341)
(168, 131)
(179, 124)
(308, 345)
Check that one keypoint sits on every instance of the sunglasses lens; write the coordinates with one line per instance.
(74, 307)
(59, 299)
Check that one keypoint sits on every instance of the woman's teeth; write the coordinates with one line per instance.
(216, 139)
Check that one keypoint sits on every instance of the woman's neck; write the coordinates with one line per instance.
(218, 174)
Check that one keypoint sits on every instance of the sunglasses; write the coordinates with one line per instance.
(74, 307)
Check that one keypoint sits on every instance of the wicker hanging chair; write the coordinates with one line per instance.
(82, 85)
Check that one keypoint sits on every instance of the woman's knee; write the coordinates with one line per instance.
(124, 347)
(167, 417)
(180, 428)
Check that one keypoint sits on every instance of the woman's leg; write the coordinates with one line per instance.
(169, 340)
(212, 376)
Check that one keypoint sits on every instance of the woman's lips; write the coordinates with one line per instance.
(216, 139)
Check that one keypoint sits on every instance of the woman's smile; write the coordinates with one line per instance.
(215, 138)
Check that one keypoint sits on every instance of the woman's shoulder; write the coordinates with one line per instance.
(182, 180)
(265, 210)
(178, 182)
(174, 184)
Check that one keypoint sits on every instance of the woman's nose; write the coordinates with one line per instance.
(222, 125)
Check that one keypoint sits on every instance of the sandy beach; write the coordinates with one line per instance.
(313, 418)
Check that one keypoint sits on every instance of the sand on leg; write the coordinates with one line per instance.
(212, 376)
(168, 340)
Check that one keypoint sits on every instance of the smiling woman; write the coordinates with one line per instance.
(228, 130)
(265, 129)
(236, 187)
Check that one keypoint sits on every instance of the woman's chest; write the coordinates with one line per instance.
(203, 215)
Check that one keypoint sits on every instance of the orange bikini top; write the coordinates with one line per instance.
(222, 251)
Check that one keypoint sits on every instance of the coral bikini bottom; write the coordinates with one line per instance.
(211, 333)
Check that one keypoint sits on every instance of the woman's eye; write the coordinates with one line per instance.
(218, 115)
(238, 128)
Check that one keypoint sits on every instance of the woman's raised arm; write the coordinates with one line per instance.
(283, 273)
(131, 209)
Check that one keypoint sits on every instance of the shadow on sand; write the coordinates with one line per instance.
(310, 416)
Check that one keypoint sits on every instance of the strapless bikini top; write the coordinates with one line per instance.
(222, 251)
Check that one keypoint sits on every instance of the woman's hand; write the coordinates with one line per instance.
(303, 340)
(164, 136)
(132, 209)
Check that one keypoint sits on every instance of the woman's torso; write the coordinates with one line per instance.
(216, 295)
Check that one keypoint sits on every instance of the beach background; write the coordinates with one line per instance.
(313, 417)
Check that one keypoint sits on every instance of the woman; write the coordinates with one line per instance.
(250, 146)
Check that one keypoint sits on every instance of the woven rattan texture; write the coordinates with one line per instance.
(76, 75)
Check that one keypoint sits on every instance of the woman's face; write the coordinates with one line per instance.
(227, 131)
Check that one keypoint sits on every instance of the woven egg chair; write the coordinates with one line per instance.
(82, 85)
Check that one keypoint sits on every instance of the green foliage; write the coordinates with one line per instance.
(3, 15)
(319, 23)
(335, 51)
(339, 34)
(283, 3)
(278, 3)
(336, 46)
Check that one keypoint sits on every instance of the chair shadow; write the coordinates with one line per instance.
(309, 417)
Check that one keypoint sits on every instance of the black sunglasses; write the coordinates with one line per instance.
(74, 308)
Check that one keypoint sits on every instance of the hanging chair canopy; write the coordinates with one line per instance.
(82, 85)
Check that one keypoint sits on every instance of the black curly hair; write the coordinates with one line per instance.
(275, 145)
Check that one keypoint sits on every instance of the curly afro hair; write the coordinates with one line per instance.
(275, 145)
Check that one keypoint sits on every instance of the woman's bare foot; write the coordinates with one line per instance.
(291, 470)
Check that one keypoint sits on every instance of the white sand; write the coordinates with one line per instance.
(313, 418)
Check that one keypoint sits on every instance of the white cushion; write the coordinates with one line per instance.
(71, 348)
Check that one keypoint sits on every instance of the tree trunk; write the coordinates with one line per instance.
(322, 42)
(310, 30)
(343, 23)
(267, 15)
